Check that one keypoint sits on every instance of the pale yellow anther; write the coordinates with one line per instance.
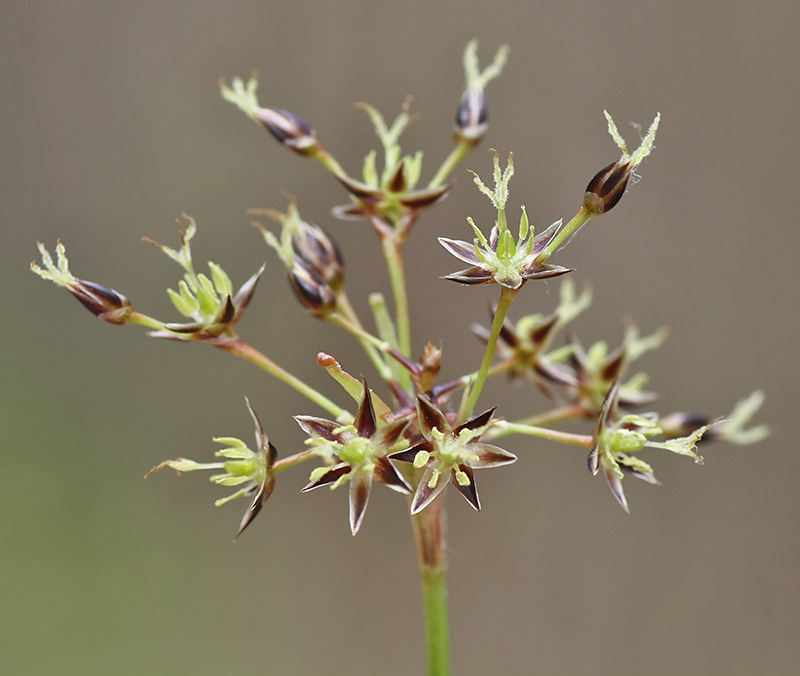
(421, 459)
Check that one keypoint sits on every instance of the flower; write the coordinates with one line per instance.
(588, 375)
(449, 455)
(356, 453)
(524, 345)
(312, 259)
(472, 117)
(209, 302)
(243, 466)
(734, 428)
(286, 127)
(106, 304)
(608, 185)
(500, 259)
(389, 195)
(617, 438)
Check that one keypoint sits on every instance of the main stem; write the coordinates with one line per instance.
(429, 535)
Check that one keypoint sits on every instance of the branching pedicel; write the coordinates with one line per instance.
(420, 435)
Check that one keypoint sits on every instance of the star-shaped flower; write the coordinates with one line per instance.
(587, 375)
(499, 259)
(356, 453)
(390, 195)
(209, 302)
(617, 439)
(449, 455)
(243, 467)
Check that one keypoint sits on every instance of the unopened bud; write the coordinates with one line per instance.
(105, 303)
(290, 130)
(608, 185)
(311, 257)
(319, 252)
(312, 291)
(606, 188)
(472, 116)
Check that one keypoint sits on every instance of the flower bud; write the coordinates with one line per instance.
(608, 185)
(472, 116)
(312, 259)
(320, 252)
(311, 290)
(104, 303)
(606, 188)
(290, 130)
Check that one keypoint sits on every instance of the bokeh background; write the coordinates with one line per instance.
(113, 126)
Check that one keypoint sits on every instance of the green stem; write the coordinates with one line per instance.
(282, 464)
(236, 346)
(458, 153)
(241, 349)
(373, 346)
(496, 369)
(429, 535)
(348, 320)
(506, 297)
(503, 427)
(391, 246)
(434, 591)
(568, 412)
(328, 161)
(149, 322)
(577, 221)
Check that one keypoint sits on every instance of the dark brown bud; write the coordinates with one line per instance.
(312, 290)
(319, 252)
(105, 303)
(472, 116)
(290, 130)
(607, 187)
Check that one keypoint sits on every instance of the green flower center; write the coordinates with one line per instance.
(355, 451)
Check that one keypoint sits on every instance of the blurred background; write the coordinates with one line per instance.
(113, 126)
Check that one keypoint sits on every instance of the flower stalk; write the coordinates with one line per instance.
(507, 296)
(249, 353)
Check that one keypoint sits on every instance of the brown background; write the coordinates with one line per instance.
(112, 126)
